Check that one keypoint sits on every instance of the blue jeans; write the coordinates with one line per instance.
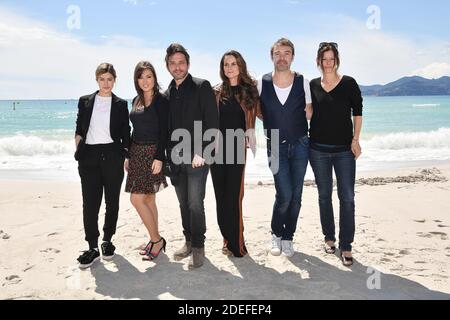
(190, 191)
(293, 160)
(344, 165)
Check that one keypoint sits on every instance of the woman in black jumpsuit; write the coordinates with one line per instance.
(238, 102)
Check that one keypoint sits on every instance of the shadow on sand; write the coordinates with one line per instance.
(317, 280)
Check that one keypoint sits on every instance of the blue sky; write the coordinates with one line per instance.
(413, 38)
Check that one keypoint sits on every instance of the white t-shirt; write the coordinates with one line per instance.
(98, 132)
(283, 93)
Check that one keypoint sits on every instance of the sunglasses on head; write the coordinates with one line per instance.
(323, 44)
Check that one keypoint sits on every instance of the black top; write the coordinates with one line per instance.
(231, 116)
(150, 124)
(119, 125)
(193, 101)
(331, 123)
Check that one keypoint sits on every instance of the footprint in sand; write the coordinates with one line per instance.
(423, 235)
(13, 279)
(28, 268)
(443, 235)
(437, 221)
(443, 226)
(420, 221)
(439, 276)
(404, 252)
(438, 233)
(4, 235)
(50, 250)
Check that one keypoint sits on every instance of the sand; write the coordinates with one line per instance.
(401, 248)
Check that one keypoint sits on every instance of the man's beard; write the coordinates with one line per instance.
(179, 75)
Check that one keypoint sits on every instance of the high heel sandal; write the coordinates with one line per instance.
(150, 255)
(146, 249)
(226, 251)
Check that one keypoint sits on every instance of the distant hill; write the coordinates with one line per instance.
(410, 86)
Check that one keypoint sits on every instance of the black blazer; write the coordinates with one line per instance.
(119, 125)
(198, 104)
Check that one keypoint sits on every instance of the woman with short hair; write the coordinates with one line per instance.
(102, 139)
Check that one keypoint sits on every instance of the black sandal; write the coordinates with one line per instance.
(346, 261)
(329, 249)
(150, 255)
(147, 248)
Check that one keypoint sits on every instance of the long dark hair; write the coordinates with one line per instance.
(140, 68)
(248, 93)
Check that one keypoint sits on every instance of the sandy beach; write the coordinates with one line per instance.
(402, 246)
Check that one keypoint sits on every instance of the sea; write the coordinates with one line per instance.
(37, 137)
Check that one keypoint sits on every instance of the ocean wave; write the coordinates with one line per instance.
(411, 140)
(426, 105)
(31, 145)
(65, 115)
(21, 145)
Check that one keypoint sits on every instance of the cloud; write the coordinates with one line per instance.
(434, 71)
(123, 41)
(41, 63)
(371, 56)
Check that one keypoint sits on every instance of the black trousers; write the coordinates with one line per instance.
(190, 189)
(100, 168)
(228, 181)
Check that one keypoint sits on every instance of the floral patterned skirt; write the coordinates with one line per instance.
(140, 179)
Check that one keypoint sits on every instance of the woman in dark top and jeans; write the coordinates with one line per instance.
(335, 144)
(149, 117)
(237, 101)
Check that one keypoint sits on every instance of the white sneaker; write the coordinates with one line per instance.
(287, 247)
(275, 245)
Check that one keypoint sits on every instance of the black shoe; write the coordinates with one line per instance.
(108, 250)
(88, 258)
(153, 255)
